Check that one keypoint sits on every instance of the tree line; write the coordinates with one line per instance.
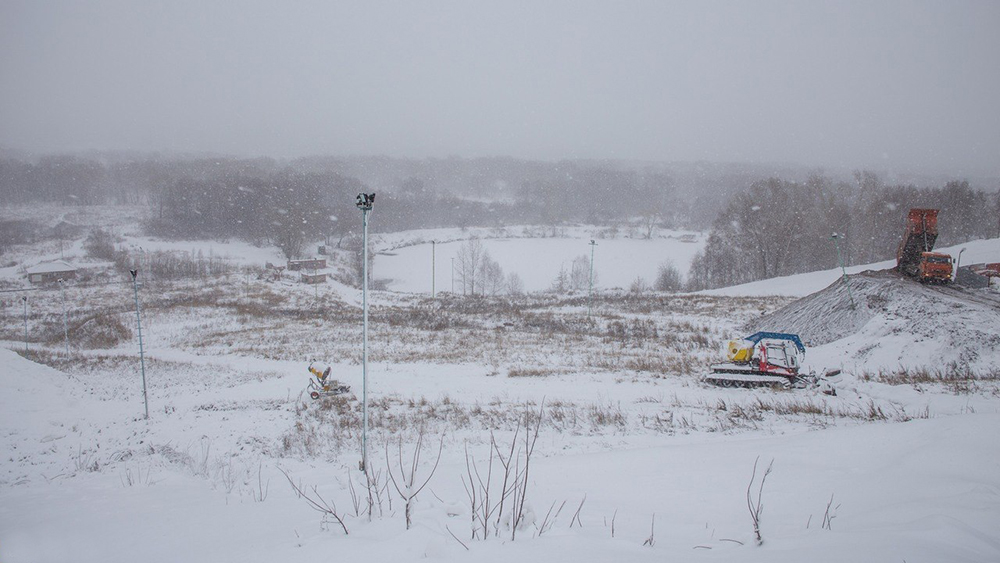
(760, 226)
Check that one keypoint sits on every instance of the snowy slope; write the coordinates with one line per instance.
(926, 490)
(800, 285)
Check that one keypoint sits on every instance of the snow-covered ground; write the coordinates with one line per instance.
(89, 480)
(635, 458)
(538, 261)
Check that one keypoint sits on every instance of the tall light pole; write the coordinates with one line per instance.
(24, 299)
(364, 203)
(433, 272)
(138, 324)
(453, 275)
(62, 288)
(590, 292)
(836, 243)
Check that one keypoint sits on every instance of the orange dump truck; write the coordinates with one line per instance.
(915, 256)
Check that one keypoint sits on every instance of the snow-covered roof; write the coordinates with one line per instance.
(51, 267)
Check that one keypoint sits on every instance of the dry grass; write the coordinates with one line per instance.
(959, 380)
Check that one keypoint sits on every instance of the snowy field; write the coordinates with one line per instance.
(635, 459)
(538, 261)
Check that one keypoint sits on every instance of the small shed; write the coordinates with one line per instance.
(49, 272)
(307, 264)
(312, 279)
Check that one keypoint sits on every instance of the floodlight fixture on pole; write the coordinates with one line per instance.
(836, 243)
(364, 203)
(24, 299)
(590, 292)
(62, 288)
(138, 324)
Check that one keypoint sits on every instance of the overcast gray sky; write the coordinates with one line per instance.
(899, 85)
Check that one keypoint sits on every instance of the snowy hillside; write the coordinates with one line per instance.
(194, 484)
(635, 458)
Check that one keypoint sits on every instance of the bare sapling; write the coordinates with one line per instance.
(497, 493)
(547, 522)
(316, 501)
(755, 506)
(521, 485)
(406, 486)
(829, 516)
(377, 486)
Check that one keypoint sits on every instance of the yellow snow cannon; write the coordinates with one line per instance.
(740, 351)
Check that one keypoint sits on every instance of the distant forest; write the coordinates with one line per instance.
(764, 221)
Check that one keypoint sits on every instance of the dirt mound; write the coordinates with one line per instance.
(896, 321)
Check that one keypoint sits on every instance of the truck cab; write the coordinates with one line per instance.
(934, 267)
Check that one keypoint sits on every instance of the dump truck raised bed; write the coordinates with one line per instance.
(915, 256)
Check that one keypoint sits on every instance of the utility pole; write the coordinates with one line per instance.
(836, 243)
(138, 324)
(24, 299)
(364, 203)
(590, 292)
(433, 272)
(62, 288)
(453, 275)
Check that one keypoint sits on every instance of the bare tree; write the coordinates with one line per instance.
(579, 275)
(490, 275)
(668, 278)
(470, 258)
(515, 286)
(562, 282)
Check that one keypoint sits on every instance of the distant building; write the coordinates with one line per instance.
(51, 272)
(307, 264)
(313, 278)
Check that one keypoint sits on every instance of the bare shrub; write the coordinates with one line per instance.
(530, 372)
(100, 331)
(100, 244)
(410, 489)
(498, 492)
(315, 500)
(639, 286)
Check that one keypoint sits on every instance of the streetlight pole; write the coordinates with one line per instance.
(364, 203)
(62, 288)
(433, 271)
(836, 243)
(138, 324)
(590, 292)
(24, 299)
(958, 264)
